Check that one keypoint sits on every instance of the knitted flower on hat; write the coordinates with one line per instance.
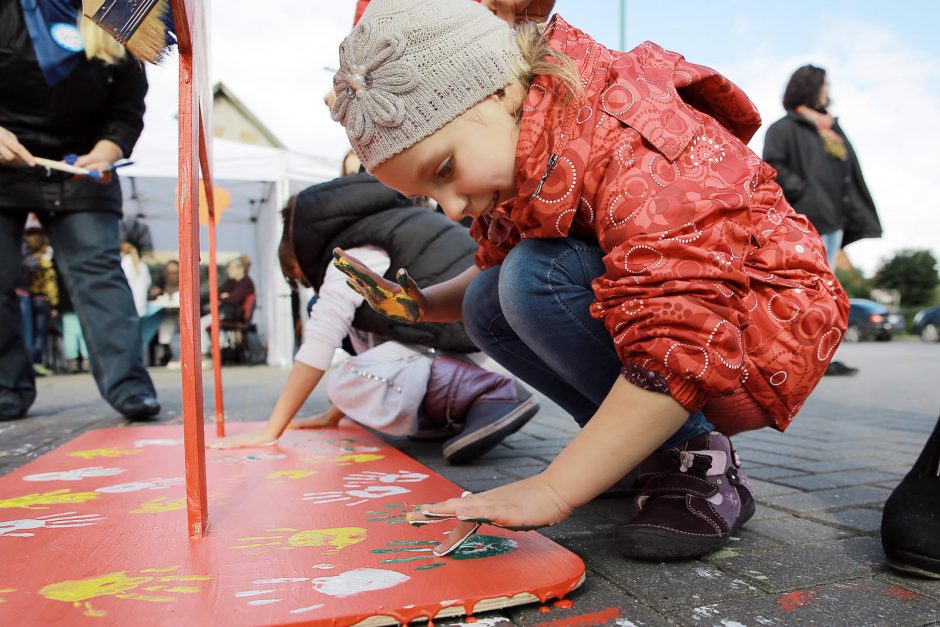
(369, 84)
(411, 66)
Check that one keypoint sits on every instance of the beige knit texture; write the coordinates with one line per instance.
(411, 66)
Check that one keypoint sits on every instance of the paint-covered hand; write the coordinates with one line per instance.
(259, 437)
(528, 504)
(402, 300)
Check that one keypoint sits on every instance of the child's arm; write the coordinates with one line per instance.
(300, 383)
(629, 425)
(404, 300)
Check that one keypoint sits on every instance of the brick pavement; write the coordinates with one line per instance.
(810, 555)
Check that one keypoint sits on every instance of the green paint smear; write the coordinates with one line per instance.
(478, 546)
(407, 559)
(410, 542)
(430, 566)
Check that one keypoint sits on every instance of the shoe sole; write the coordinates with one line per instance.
(457, 452)
(656, 544)
(908, 562)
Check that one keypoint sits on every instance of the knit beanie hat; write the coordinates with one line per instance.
(411, 66)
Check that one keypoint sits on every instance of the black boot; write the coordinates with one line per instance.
(910, 524)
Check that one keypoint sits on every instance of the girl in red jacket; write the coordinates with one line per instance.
(637, 263)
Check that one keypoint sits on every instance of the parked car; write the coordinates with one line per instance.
(927, 324)
(871, 320)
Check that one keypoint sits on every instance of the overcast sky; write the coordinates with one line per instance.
(882, 59)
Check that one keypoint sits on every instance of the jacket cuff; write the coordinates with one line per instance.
(687, 393)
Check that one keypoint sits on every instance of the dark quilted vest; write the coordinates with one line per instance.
(358, 210)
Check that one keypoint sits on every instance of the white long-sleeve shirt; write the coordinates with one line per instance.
(332, 315)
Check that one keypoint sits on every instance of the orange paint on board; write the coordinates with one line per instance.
(322, 552)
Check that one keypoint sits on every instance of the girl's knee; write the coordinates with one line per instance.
(481, 300)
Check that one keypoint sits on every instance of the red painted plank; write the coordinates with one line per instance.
(309, 531)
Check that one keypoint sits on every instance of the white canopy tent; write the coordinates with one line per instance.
(259, 180)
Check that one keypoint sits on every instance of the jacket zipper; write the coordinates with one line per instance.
(552, 162)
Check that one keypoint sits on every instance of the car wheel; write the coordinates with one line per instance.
(853, 334)
(930, 333)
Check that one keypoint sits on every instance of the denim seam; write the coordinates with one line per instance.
(571, 314)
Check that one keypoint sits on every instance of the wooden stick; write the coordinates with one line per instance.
(60, 165)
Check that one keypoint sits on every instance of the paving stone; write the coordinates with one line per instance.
(771, 473)
(776, 459)
(859, 602)
(761, 488)
(923, 585)
(793, 530)
(832, 465)
(664, 585)
(860, 519)
(785, 568)
(831, 499)
(820, 481)
(596, 602)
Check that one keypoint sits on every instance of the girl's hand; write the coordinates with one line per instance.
(527, 504)
(403, 301)
(100, 159)
(12, 151)
(329, 418)
(261, 437)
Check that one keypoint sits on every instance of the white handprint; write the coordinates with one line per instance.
(372, 476)
(53, 521)
(158, 483)
(76, 474)
(371, 492)
(157, 442)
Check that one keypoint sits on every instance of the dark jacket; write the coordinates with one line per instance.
(832, 194)
(97, 101)
(358, 210)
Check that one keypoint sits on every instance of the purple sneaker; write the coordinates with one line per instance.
(691, 499)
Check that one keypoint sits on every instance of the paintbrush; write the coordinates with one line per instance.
(139, 25)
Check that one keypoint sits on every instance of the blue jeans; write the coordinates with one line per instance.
(833, 243)
(86, 248)
(531, 315)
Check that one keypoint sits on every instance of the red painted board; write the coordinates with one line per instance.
(309, 531)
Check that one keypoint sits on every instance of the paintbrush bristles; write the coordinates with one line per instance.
(147, 41)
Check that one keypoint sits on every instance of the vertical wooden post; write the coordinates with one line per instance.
(204, 160)
(190, 29)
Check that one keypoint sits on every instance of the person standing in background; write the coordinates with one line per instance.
(819, 170)
(69, 89)
(43, 294)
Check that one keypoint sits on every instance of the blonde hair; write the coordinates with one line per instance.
(98, 43)
(544, 61)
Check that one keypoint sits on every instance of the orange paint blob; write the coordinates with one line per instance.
(564, 604)
(545, 609)
(901, 593)
(792, 600)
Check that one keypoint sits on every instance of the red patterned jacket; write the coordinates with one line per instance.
(712, 280)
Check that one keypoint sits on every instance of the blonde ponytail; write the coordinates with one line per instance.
(542, 60)
(98, 43)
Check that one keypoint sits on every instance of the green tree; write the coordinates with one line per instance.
(913, 273)
(854, 283)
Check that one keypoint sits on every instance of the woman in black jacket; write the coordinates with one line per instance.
(68, 88)
(817, 166)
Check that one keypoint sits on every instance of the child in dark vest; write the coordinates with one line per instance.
(468, 407)
(637, 263)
